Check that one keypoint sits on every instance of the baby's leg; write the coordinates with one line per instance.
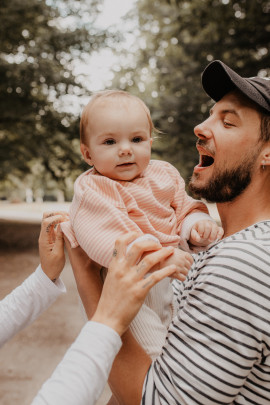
(150, 326)
(149, 331)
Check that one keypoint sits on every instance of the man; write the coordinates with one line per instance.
(218, 345)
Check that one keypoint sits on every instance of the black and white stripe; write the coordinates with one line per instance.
(218, 346)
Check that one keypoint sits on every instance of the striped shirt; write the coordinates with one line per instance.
(103, 209)
(217, 349)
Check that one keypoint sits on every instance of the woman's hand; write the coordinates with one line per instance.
(51, 244)
(128, 282)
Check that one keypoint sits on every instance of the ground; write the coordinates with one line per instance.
(31, 356)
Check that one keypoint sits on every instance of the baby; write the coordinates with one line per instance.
(125, 191)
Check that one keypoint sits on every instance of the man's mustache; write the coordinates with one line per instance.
(205, 144)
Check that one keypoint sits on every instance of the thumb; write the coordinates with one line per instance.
(59, 237)
(195, 235)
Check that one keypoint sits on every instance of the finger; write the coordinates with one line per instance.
(51, 221)
(47, 233)
(140, 248)
(59, 240)
(178, 276)
(194, 235)
(188, 259)
(58, 233)
(220, 233)
(154, 278)
(206, 230)
(214, 234)
(152, 259)
(51, 214)
(121, 244)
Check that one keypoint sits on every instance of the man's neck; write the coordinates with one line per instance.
(250, 207)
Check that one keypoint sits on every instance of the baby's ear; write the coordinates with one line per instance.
(86, 154)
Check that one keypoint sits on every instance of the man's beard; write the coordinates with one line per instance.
(226, 184)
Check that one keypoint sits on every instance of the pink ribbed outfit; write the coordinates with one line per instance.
(154, 203)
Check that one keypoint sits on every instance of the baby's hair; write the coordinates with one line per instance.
(105, 94)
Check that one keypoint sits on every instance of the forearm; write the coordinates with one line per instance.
(82, 374)
(128, 371)
(24, 304)
(87, 277)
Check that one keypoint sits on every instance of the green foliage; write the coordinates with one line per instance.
(177, 40)
(40, 42)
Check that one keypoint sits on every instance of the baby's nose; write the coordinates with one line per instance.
(125, 149)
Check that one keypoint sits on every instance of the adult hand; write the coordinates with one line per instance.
(51, 244)
(128, 282)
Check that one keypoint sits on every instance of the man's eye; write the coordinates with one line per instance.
(109, 141)
(228, 124)
(137, 139)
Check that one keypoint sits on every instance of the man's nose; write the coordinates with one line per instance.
(203, 130)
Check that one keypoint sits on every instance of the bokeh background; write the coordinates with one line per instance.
(53, 55)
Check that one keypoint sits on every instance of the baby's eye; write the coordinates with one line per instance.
(137, 139)
(109, 141)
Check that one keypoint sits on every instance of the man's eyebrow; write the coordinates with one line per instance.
(230, 111)
(226, 111)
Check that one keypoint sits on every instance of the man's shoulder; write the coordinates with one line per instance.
(248, 250)
(257, 236)
(254, 237)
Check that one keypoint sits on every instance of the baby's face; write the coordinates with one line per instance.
(119, 139)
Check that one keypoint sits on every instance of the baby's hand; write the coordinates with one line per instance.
(182, 260)
(205, 232)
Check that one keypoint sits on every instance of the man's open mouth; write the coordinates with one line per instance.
(206, 160)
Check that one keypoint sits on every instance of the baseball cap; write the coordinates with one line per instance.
(218, 79)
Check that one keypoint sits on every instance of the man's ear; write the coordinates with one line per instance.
(86, 154)
(265, 156)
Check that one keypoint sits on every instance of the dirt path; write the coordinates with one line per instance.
(31, 356)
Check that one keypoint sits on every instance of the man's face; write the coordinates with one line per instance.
(119, 139)
(229, 146)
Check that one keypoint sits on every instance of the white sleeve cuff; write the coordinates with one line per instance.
(141, 238)
(58, 284)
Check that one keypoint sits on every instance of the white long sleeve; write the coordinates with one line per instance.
(82, 374)
(24, 304)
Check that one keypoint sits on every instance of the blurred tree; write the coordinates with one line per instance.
(177, 40)
(40, 43)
